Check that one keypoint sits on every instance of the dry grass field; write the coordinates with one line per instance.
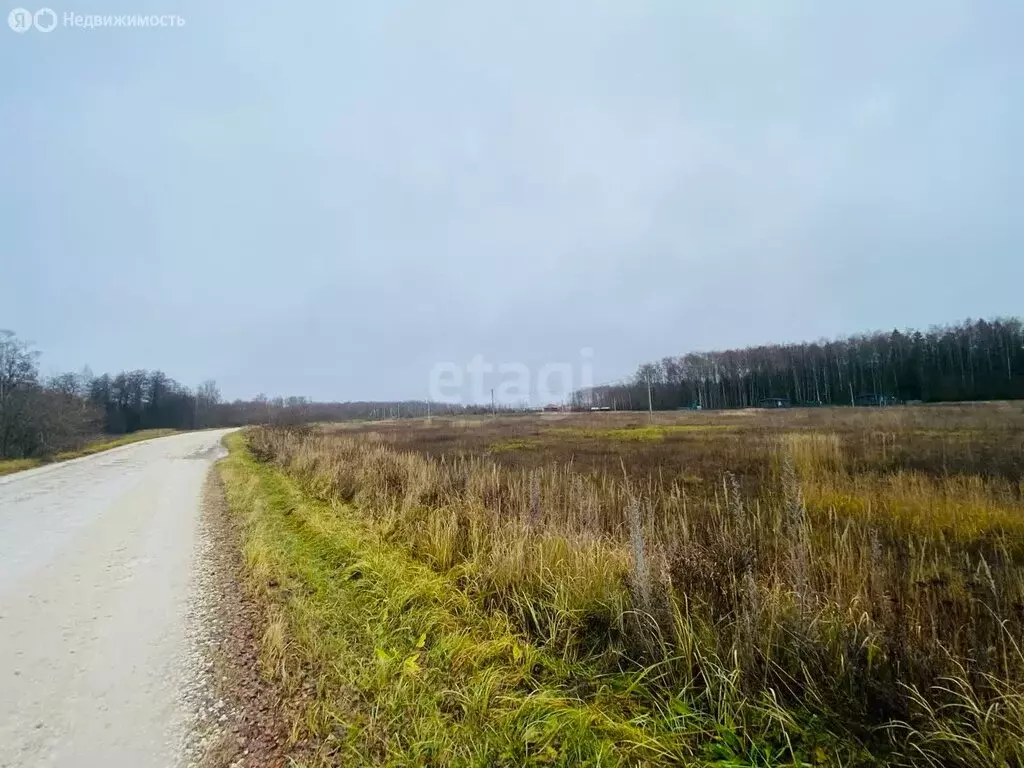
(816, 586)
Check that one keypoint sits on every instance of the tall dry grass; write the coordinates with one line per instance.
(883, 605)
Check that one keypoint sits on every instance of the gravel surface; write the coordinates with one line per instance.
(238, 717)
(108, 615)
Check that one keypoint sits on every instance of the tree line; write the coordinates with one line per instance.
(975, 360)
(41, 416)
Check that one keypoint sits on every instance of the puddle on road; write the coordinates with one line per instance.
(210, 453)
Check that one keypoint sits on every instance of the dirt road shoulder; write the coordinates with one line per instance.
(237, 713)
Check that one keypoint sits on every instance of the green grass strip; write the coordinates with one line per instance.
(393, 665)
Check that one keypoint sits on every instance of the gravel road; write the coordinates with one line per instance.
(97, 584)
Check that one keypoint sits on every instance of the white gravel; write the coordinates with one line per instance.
(105, 623)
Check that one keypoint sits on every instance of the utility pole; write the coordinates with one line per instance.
(493, 412)
(650, 400)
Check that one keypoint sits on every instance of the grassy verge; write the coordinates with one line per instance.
(387, 661)
(8, 466)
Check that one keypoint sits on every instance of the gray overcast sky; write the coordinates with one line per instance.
(327, 198)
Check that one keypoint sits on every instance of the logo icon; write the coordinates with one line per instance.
(45, 19)
(20, 20)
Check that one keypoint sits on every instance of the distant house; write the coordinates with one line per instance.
(875, 400)
(775, 402)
